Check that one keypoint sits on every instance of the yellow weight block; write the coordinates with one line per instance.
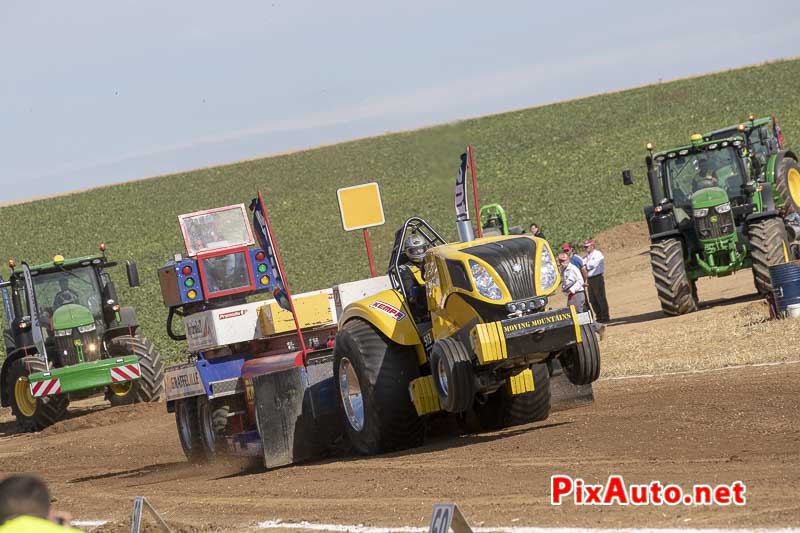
(489, 342)
(522, 382)
(423, 394)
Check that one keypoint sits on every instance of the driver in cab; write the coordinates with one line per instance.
(412, 275)
(705, 177)
(65, 295)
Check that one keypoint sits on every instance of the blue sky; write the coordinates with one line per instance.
(97, 92)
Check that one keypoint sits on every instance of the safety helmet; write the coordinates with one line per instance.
(415, 247)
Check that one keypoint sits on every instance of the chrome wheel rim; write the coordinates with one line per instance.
(441, 376)
(350, 390)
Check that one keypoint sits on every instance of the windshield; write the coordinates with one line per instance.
(694, 171)
(75, 286)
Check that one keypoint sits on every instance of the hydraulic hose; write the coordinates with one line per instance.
(171, 333)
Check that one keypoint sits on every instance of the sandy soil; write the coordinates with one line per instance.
(714, 427)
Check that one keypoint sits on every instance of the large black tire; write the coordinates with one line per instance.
(787, 181)
(188, 424)
(48, 409)
(213, 420)
(367, 362)
(769, 246)
(675, 292)
(150, 386)
(581, 362)
(503, 409)
(453, 377)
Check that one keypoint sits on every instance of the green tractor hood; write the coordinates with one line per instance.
(709, 197)
(72, 316)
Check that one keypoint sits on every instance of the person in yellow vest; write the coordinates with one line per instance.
(25, 507)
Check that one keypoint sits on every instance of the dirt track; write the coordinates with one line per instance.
(715, 427)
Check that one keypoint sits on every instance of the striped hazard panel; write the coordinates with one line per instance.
(45, 387)
(125, 373)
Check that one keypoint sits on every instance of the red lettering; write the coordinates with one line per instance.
(655, 493)
(615, 490)
(639, 494)
(722, 495)
(672, 494)
(593, 494)
(560, 486)
(579, 491)
(702, 495)
(738, 493)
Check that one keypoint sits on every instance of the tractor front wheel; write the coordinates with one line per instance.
(503, 409)
(372, 377)
(675, 291)
(787, 181)
(581, 362)
(453, 376)
(33, 414)
(149, 387)
(769, 247)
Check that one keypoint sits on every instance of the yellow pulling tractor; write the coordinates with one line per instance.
(483, 347)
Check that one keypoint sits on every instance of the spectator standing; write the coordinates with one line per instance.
(536, 231)
(571, 282)
(576, 260)
(25, 507)
(595, 266)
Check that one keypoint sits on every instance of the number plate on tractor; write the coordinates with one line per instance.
(182, 381)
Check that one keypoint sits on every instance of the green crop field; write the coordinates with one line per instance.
(558, 165)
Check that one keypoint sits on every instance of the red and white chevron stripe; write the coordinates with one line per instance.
(46, 387)
(125, 373)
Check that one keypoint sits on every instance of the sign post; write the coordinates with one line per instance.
(361, 208)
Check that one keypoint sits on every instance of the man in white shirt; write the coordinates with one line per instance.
(572, 283)
(595, 265)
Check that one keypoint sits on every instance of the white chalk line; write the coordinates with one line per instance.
(701, 371)
(353, 528)
(88, 523)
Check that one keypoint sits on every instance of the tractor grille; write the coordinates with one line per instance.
(722, 225)
(514, 260)
(69, 353)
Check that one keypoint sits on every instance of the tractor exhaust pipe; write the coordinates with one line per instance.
(463, 224)
(655, 186)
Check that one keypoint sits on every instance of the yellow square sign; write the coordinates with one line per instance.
(360, 206)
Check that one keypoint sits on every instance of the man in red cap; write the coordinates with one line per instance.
(572, 282)
(576, 260)
(595, 266)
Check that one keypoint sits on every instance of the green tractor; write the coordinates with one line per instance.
(770, 161)
(494, 222)
(709, 217)
(68, 337)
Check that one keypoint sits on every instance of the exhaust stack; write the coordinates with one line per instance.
(463, 224)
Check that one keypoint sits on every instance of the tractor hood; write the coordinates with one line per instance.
(710, 197)
(72, 316)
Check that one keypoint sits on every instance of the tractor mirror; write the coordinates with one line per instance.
(133, 273)
(627, 179)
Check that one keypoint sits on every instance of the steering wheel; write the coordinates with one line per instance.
(66, 296)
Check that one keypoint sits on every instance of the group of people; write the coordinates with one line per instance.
(582, 273)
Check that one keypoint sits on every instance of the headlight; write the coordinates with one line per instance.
(484, 282)
(547, 270)
(87, 329)
(92, 347)
(700, 213)
(723, 208)
(63, 332)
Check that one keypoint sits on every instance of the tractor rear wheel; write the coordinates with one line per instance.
(188, 424)
(769, 247)
(581, 362)
(149, 387)
(453, 377)
(787, 181)
(213, 419)
(503, 409)
(33, 414)
(675, 291)
(372, 377)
